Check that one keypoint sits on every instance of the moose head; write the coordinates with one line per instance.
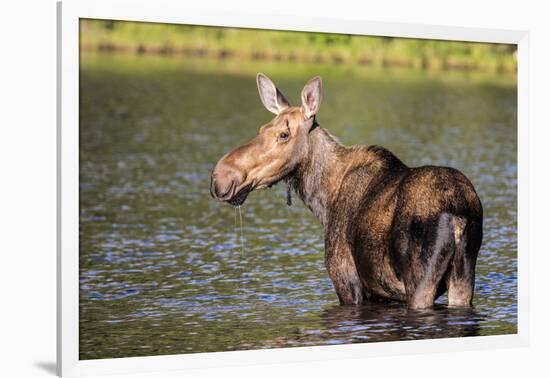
(278, 149)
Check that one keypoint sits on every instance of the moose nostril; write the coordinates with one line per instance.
(222, 191)
(224, 180)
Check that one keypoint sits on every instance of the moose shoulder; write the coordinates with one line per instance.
(391, 232)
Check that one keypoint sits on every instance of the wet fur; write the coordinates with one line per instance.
(391, 232)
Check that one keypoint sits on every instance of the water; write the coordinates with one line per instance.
(163, 268)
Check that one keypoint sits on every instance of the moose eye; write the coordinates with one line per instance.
(283, 136)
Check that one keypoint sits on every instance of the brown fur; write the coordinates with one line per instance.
(391, 232)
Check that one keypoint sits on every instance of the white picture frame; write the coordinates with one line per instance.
(170, 11)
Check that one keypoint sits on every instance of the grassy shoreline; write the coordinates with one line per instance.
(299, 47)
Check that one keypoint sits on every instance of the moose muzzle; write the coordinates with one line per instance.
(225, 183)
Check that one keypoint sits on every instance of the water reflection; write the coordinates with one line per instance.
(389, 321)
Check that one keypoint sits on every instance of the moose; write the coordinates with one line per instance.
(392, 233)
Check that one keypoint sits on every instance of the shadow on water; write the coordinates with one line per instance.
(375, 322)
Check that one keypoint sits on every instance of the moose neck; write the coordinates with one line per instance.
(317, 179)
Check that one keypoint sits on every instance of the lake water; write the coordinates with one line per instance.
(164, 268)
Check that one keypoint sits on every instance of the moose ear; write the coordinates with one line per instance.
(312, 95)
(271, 96)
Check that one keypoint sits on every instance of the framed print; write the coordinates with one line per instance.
(393, 159)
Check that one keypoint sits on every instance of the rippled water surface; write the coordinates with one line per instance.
(162, 266)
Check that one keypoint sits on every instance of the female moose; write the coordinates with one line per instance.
(391, 232)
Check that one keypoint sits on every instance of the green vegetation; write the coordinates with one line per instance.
(272, 45)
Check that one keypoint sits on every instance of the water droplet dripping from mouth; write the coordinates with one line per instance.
(241, 223)
(241, 254)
